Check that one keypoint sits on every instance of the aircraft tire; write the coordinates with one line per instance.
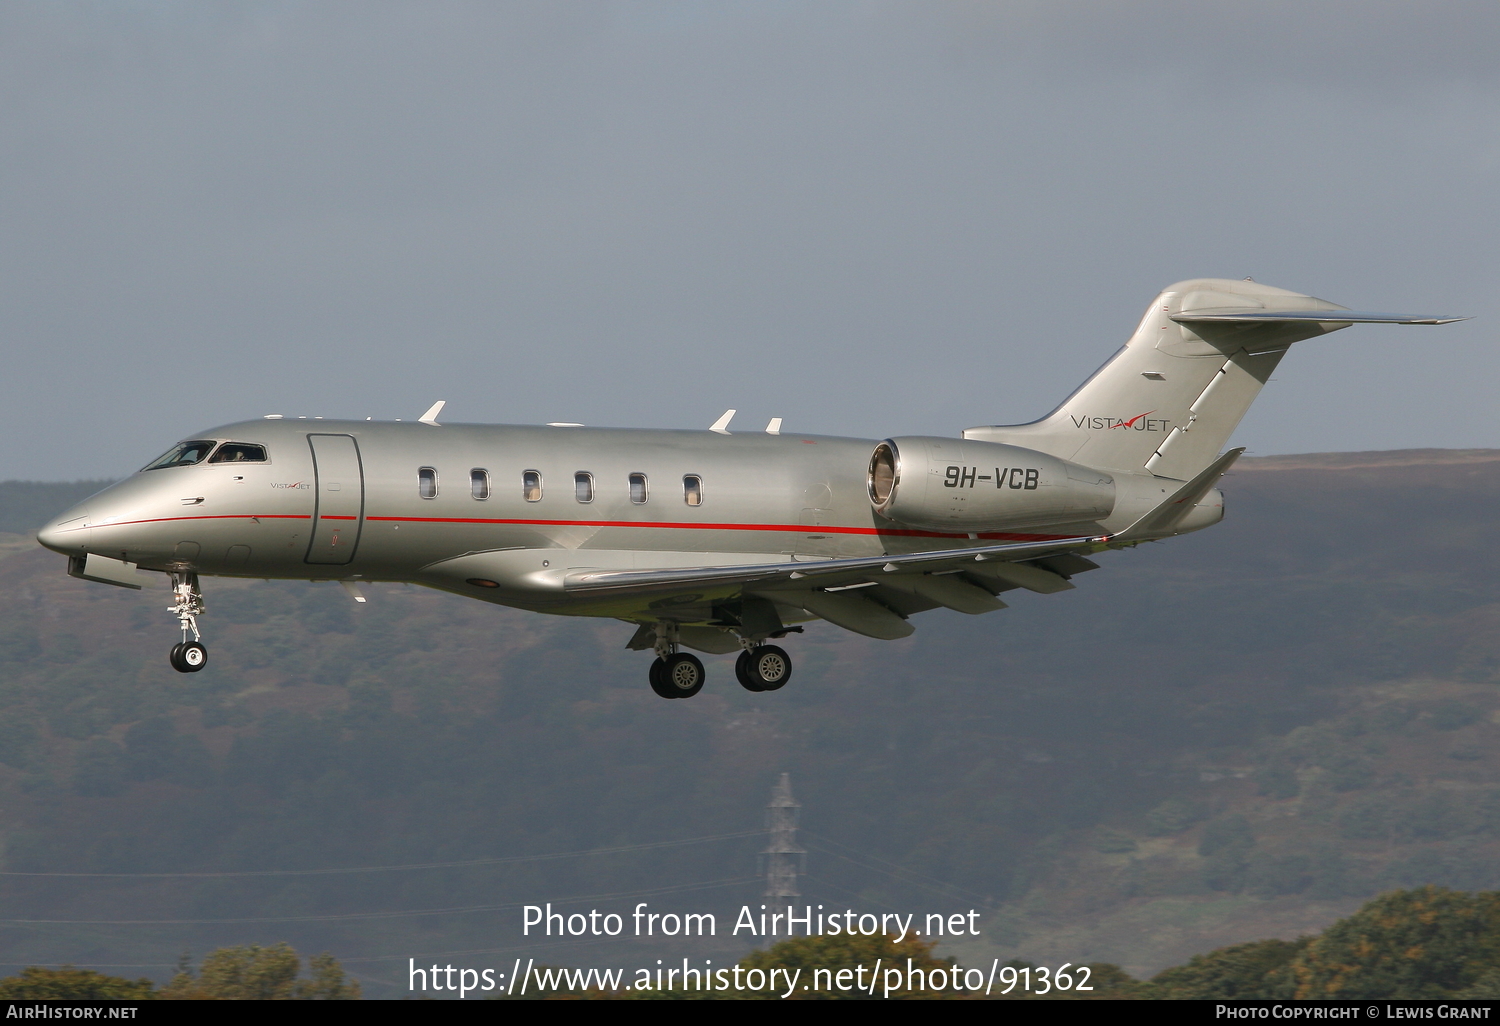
(744, 674)
(658, 678)
(768, 666)
(684, 675)
(189, 657)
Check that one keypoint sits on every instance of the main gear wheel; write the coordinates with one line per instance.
(763, 668)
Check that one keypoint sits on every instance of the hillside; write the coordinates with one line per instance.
(1239, 734)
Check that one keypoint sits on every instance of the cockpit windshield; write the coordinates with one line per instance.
(239, 452)
(183, 454)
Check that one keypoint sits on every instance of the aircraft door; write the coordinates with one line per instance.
(338, 512)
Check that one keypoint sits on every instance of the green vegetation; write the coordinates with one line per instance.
(254, 973)
(1276, 713)
(229, 974)
(1427, 943)
(68, 984)
(1244, 971)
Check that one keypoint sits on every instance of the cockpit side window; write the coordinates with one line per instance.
(183, 454)
(239, 452)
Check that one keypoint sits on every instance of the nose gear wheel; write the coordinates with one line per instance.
(188, 657)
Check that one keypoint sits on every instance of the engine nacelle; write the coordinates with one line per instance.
(953, 484)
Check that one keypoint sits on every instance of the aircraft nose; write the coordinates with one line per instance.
(68, 533)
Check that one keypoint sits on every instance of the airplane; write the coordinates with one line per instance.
(714, 540)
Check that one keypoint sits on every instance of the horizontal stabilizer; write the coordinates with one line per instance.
(1164, 518)
(1256, 315)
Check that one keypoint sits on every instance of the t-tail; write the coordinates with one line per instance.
(1168, 401)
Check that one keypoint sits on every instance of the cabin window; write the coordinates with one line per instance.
(479, 483)
(239, 452)
(692, 490)
(531, 485)
(583, 486)
(638, 489)
(427, 482)
(183, 454)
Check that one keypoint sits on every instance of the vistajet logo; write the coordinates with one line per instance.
(1140, 422)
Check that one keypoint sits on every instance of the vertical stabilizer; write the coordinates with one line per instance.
(1168, 401)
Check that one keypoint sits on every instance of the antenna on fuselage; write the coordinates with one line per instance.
(430, 417)
(721, 426)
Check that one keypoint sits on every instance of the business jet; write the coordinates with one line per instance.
(715, 540)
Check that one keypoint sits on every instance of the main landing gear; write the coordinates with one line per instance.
(187, 603)
(677, 674)
(763, 668)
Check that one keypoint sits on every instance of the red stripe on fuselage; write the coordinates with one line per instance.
(672, 525)
(659, 525)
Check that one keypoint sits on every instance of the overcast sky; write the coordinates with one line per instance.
(866, 218)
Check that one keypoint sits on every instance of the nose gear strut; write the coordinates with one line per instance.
(187, 603)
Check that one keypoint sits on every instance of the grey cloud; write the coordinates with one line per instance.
(867, 219)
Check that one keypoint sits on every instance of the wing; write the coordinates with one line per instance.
(816, 573)
(874, 595)
(835, 589)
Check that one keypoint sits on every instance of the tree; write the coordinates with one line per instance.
(328, 982)
(254, 973)
(1425, 943)
(68, 984)
(1242, 971)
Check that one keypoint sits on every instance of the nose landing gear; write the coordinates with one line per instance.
(187, 603)
(188, 657)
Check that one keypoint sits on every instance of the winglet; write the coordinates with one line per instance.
(1162, 519)
(721, 425)
(430, 417)
(774, 428)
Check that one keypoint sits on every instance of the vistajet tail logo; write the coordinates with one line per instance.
(1140, 422)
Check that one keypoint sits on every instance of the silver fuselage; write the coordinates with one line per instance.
(360, 514)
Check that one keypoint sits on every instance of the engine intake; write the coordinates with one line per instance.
(953, 484)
